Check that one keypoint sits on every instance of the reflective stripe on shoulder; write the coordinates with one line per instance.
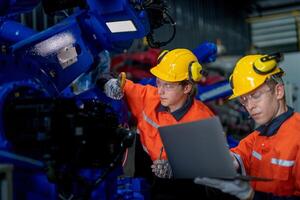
(256, 155)
(284, 163)
(150, 121)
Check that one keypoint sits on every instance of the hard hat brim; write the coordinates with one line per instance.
(156, 72)
(232, 97)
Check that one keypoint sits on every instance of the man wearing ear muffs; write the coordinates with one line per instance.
(172, 101)
(272, 151)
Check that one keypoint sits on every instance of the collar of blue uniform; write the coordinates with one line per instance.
(178, 114)
(272, 128)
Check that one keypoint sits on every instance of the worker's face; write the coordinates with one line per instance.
(263, 103)
(172, 95)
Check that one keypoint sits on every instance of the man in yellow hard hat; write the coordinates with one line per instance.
(171, 102)
(272, 151)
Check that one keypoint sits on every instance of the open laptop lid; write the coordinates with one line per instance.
(199, 149)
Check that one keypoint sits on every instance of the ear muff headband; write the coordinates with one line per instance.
(161, 55)
(230, 81)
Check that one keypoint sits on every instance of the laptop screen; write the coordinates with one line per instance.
(198, 149)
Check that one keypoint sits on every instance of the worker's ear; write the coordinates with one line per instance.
(187, 88)
(279, 91)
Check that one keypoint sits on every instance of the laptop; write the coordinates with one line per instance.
(199, 149)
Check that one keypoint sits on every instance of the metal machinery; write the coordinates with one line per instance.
(42, 132)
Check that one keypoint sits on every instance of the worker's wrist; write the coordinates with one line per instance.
(250, 195)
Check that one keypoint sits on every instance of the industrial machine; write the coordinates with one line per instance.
(43, 131)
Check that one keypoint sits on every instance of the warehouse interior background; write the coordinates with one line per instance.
(239, 28)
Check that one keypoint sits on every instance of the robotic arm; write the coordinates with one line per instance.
(58, 55)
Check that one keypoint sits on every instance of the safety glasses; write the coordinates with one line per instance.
(166, 85)
(254, 97)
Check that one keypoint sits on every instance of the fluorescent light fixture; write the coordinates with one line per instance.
(121, 26)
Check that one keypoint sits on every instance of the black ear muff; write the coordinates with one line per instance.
(267, 64)
(161, 55)
(195, 70)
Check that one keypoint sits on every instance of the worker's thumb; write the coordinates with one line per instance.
(122, 79)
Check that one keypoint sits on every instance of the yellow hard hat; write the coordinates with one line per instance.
(177, 65)
(252, 71)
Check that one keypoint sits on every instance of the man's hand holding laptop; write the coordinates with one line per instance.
(239, 188)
